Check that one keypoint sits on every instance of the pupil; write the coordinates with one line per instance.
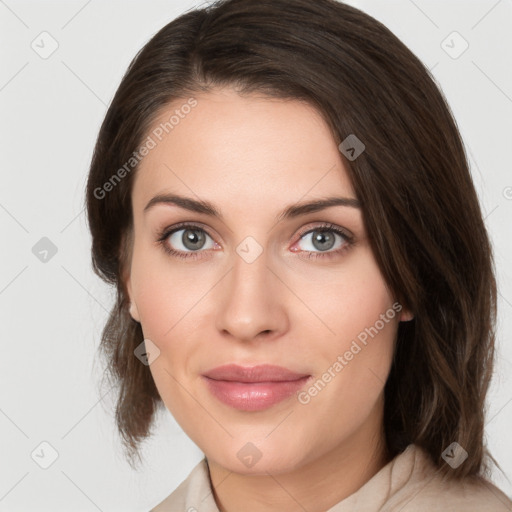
(323, 240)
(193, 239)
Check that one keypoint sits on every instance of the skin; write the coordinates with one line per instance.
(253, 156)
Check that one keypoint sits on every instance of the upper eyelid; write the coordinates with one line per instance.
(303, 231)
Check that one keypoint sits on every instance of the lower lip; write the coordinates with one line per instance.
(253, 396)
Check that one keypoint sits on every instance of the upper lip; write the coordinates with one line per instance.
(259, 373)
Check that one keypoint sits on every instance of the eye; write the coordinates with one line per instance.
(190, 241)
(186, 240)
(329, 239)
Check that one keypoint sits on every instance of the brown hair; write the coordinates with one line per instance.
(420, 208)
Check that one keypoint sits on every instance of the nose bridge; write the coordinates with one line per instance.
(250, 269)
(250, 302)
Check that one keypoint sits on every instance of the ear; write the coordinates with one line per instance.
(126, 248)
(134, 312)
(405, 315)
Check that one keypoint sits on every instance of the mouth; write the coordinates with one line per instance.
(253, 388)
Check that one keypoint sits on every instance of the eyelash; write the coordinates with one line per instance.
(166, 233)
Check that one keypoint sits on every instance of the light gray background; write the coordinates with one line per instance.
(52, 312)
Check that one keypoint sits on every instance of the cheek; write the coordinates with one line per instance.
(347, 300)
(354, 358)
(164, 293)
(352, 365)
(168, 301)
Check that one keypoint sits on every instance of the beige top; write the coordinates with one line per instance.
(408, 483)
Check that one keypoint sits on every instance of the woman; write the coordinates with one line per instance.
(281, 196)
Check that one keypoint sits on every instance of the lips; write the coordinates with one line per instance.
(253, 388)
(260, 373)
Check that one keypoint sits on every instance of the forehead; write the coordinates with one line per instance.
(251, 150)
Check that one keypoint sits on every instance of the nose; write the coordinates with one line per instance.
(252, 301)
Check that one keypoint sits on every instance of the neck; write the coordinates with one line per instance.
(315, 486)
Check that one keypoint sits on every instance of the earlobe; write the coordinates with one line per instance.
(134, 312)
(406, 316)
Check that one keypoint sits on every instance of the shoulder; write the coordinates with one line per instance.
(463, 496)
(194, 494)
(425, 490)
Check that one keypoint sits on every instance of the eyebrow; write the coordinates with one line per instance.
(292, 211)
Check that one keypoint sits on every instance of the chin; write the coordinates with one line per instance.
(260, 459)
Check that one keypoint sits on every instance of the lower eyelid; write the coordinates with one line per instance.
(327, 228)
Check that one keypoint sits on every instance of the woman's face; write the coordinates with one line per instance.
(259, 284)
